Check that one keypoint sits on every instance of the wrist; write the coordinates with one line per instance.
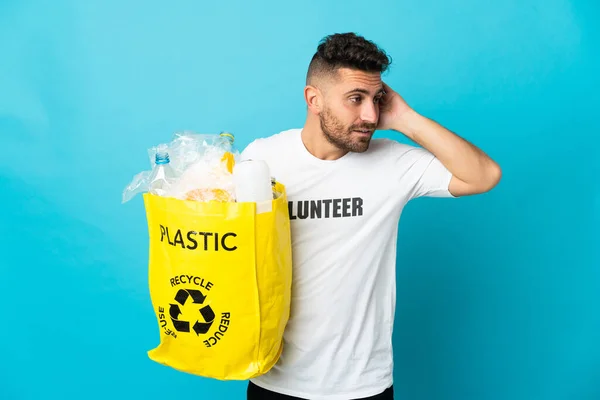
(408, 123)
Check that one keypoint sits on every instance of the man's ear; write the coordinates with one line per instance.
(314, 99)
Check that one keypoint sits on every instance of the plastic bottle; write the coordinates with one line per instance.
(162, 176)
(226, 142)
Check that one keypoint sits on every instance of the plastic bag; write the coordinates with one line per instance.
(191, 167)
(220, 277)
(219, 269)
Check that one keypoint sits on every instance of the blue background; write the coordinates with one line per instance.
(498, 295)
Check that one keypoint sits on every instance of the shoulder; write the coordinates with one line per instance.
(263, 147)
(393, 150)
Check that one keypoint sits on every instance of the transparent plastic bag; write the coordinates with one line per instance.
(139, 184)
(158, 180)
(204, 180)
(199, 167)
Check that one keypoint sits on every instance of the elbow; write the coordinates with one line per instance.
(492, 177)
(486, 180)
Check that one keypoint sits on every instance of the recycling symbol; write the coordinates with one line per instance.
(203, 324)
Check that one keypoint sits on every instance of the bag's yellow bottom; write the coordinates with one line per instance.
(199, 367)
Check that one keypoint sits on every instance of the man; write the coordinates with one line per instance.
(346, 193)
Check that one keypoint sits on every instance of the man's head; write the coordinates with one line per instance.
(344, 87)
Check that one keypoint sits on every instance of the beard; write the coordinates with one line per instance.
(342, 137)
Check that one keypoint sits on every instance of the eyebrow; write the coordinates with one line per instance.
(365, 91)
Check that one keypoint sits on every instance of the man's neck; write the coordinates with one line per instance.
(316, 143)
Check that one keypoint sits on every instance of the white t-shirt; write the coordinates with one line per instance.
(344, 220)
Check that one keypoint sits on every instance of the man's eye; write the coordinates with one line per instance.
(355, 99)
(377, 99)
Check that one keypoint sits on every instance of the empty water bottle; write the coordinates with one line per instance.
(226, 141)
(162, 176)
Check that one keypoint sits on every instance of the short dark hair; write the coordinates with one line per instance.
(347, 50)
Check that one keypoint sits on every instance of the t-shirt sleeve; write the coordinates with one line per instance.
(421, 172)
(435, 180)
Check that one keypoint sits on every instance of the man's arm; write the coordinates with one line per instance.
(472, 170)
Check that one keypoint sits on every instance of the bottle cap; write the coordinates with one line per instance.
(162, 154)
(228, 135)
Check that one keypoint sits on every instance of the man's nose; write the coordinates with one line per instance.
(369, 113)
